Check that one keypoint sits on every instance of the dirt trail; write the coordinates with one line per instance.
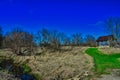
(115, 75)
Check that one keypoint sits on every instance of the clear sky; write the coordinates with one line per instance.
(69, 16)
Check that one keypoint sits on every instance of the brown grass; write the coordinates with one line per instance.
(110, 50)
(67, 64)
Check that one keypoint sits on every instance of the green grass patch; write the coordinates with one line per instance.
(26, 68)
(103, 61)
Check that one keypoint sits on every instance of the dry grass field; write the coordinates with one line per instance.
(49, 65)
(109, 50)
(70, 64)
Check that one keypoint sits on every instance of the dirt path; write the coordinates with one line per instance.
(115, 75)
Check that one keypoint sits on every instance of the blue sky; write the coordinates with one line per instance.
(68, 16)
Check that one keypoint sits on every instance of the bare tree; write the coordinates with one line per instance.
(50, 39)
(77, 39)
(38, 38)
(67, 41)
(45, 37)
(55, 38)
(20, 42)
(90, 40)
(1, 37)
(113, 27)
(64, 40)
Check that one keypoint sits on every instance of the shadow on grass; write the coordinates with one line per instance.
(22, 71)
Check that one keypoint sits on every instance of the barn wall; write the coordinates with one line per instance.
(104, 43)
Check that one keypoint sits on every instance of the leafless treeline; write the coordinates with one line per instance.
(112, 26)
(22, 42)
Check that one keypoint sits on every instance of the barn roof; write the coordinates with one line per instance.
(104, 38)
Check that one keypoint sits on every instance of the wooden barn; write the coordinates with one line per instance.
(105, 40)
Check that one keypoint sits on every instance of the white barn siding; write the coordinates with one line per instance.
(104, 43)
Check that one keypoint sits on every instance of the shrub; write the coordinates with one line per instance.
(26, 68)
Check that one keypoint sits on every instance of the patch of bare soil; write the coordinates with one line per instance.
(110, 50)
(114, 75)
(50, 65)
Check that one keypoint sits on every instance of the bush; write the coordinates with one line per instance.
(26, 68)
